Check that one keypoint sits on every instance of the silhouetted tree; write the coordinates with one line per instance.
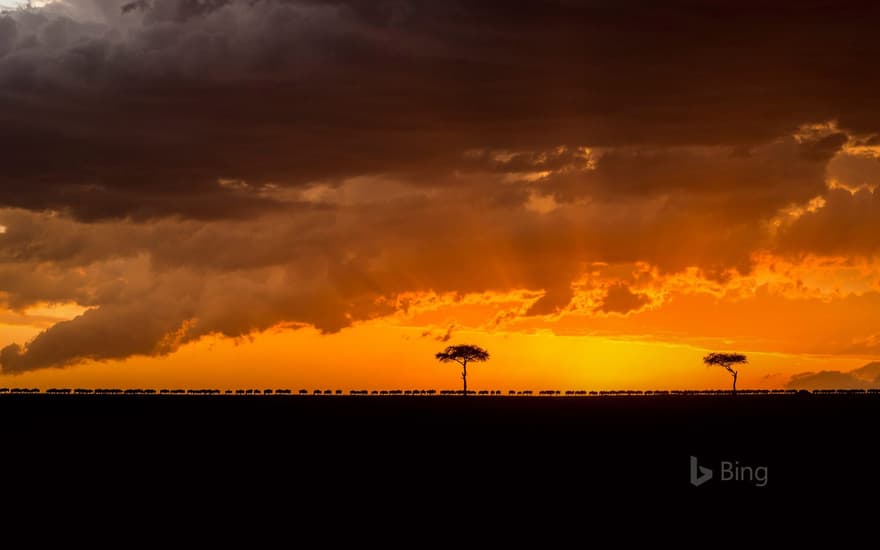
(726, 361)
(463, 354)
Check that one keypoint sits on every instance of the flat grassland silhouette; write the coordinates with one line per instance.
(546, 441)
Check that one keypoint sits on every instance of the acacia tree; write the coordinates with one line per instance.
(726, 361)
(463, 354)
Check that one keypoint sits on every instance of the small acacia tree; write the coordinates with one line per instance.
(463, 354)
(726, 361)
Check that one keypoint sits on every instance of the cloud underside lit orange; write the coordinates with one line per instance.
(332, 192)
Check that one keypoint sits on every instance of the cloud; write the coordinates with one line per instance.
(620, 299)
(855, 170)
(848, 223)
(109, 332)
(335, 258)
(867, 376)
(161, 311)
(751, 182)
(823, 148)
(190, 168)
(115, 110)
(441, 337)
(552, 301)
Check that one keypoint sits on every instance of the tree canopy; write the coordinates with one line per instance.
(726, 360)
(463, 354)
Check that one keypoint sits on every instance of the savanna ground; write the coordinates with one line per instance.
(500, 447)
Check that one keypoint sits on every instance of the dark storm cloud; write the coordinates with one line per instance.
(855, 171)
(91, 336)
(848, 224)
(825, 147)
(147, 312)
(730, 182)
(112, 109)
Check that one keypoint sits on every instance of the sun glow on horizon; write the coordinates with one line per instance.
(385, 355)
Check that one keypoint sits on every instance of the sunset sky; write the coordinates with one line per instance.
(325, 193)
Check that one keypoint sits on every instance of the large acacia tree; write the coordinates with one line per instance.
(726, 361)
(463, 354)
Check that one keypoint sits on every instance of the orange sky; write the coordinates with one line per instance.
(326, 193)
(651, 349)
(385, 356)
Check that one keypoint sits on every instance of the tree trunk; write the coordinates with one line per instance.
(464, 377)
(734, 382)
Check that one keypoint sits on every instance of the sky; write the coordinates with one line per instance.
(325, 193)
